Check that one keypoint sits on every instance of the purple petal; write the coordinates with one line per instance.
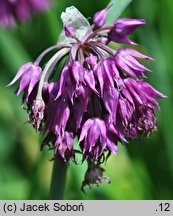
(103, 39)
(150, 90)
(108, 72)
(25, 68)
(127, 95)
(110, 99)
(69, 139)
(135, 53)
(126, 110)
(134, 64)
(113, 36)
(53, 89)
(125, 60)
(99, 75)
(62, 81)
(91, 60)
(85, 129)
(112, 147)
(93, 136)
(77, 71)
(136, 96)
(35, 78)
(121, 64)
(116, 132)
(90, 80)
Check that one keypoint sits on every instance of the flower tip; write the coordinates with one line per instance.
(132, 43)
(151, 59)
(9, 84)
(143, 21)
(164, 96)
(106, 179)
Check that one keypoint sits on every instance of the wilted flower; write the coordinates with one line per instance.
(100, 96)
(19, 10)
(94, 175)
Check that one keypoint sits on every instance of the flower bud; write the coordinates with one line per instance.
(69, 31)
(100, 17)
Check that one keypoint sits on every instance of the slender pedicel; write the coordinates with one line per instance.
(105, 48)
(48, 69)
(98, 31)
(58, 46)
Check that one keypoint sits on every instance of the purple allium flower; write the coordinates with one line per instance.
(94, 139)
(125, 60)
(100, 97)
(19, 10)
(29, 75)
(64, 146)
(124, 27)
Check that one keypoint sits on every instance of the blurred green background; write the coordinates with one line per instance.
(143, 169)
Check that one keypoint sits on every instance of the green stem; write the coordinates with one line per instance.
(58, 180)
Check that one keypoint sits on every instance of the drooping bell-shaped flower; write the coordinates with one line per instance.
(124, 59)
(123, 27)
(64, 147)
(28, 75)
(94, 138)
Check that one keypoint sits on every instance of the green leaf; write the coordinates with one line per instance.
(115, 11)
(12, 50)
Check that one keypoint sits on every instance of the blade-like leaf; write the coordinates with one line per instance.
(115, 11)
(12, 50)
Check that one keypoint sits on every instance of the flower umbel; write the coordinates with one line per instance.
(100, 97)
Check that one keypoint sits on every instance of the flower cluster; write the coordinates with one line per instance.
(20, 10)
(100, 96)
